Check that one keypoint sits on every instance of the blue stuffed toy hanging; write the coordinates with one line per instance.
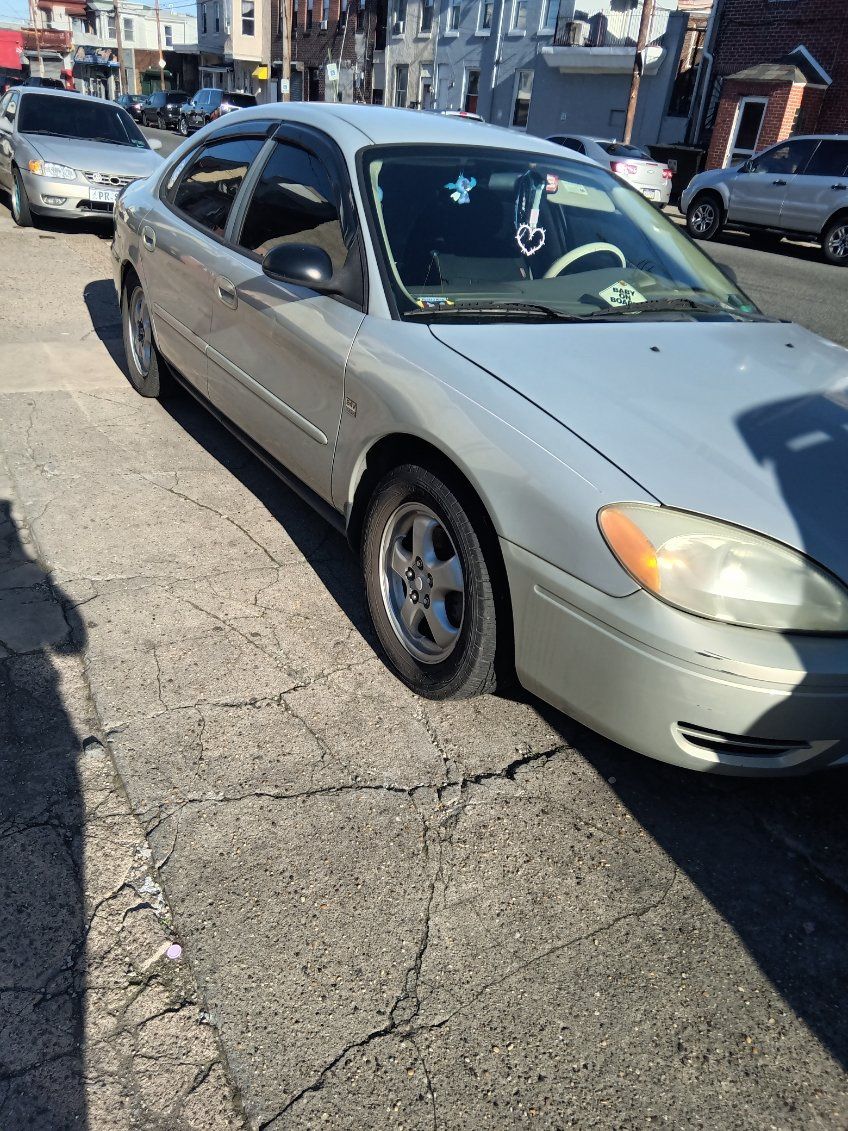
(462, 186)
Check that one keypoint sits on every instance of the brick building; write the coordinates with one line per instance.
(779, 67)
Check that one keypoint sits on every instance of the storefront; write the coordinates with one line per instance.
(95, 71)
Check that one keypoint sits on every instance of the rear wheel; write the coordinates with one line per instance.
(160, 122)
(20, 201)
(835, 242)
(704, 220)
(429, 586)
(147, 370)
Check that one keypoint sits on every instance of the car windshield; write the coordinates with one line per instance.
(465, 229)
(77, 117)
(176, 96)
(619, 149)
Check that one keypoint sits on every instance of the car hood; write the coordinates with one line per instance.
(95, 156)
(747, 422)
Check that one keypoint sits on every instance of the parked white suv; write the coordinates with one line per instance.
(798, 188)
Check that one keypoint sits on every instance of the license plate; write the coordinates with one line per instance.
(651, 193)
(102, 195)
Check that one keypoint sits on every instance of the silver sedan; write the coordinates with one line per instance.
(563, 442)
(630, 162)
(68, 156)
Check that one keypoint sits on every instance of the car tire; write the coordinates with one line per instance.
(160, 122)
(147, 371)
(425, 565)
(705, 217)
(21, 213)
(835, 241)
(183, 125)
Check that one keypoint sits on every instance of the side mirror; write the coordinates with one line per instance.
(302, 264)
(745, 167)
(154, 143)
(9, 113)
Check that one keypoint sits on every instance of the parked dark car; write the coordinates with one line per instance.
(133, 104)
(163, 109)
(209, 104)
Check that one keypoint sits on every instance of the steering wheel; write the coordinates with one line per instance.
(559, 265)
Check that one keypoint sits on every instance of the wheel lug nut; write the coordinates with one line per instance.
(410, 573)
(413, 596)
(419, 563)
(430, 580)
(426, 601)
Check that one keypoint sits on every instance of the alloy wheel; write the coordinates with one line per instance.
(141, 337)
(16, 200)
(703, 218)
(837, 242)
(422, 583)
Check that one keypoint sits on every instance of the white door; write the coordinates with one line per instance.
(746, 130)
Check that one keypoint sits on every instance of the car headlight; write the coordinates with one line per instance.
(51, 169)
(723, 572)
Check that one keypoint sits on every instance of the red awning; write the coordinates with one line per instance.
(10, 46)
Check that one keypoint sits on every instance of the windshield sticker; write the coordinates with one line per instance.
(431, 302)
(528, 235)
(551, 182)
(621, 294)
(461, 187)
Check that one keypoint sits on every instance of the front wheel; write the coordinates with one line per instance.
(704, 220)
(429, 586)
(160, 122)
(20, 201)
(835, 242)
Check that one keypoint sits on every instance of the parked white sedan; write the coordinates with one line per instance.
(563, 442)
(634, 165)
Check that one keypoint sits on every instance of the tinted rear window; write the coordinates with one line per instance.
(619, 149)
(177, 96)
(241, 99)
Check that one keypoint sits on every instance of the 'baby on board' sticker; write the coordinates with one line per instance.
(621, 294)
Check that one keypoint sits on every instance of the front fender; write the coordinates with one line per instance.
(542, 486)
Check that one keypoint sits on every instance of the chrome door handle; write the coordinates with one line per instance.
(148, 237)
(839, 188)
(226, 292)
(778, 182)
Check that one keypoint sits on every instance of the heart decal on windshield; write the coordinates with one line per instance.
(529, 239)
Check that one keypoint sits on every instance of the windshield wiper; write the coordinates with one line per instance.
(685, 305)
(497, 310)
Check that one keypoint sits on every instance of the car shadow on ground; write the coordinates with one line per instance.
(102, 302)
(42, 929)
(771, 856)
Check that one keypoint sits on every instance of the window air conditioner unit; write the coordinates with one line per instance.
(397, 27)
(576, 33)
(323, 25)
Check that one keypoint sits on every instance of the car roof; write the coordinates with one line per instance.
(52, 92)
(356, 126)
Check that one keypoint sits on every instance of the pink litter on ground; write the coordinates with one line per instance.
(174, 951)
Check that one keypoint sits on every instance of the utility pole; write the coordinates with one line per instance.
(161, 60)
(120, 48)
(641, 43)
(33, 15)
(285, 86)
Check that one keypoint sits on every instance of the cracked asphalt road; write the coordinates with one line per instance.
(400, 914)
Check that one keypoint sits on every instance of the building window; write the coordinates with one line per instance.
(484, 18)
(453, 16)
(360, 16)
(550, 12)
(749, 120)
(472, 91)
(78, 25)
(203, 27)
(308, 14)
(217, 12)
(521, 105)
(399, 17)
(110, 26)
(427, 7)
(401, 79)
(129, 30)
(294, 15)
(169, 36)
(519, 16)
(247, 17)
(325, 12)
(48, 17)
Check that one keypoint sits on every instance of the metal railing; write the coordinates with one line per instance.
(607, 28)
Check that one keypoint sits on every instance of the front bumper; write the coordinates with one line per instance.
(75, 195)
(678, 688)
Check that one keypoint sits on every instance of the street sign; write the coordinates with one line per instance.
(284, 86)
(332, 72)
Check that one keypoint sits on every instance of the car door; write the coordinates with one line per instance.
(195, 114)
(758, 190)
(818, 189)
(214, 98)
(182, 250)
(277, 352)
(8, 109)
